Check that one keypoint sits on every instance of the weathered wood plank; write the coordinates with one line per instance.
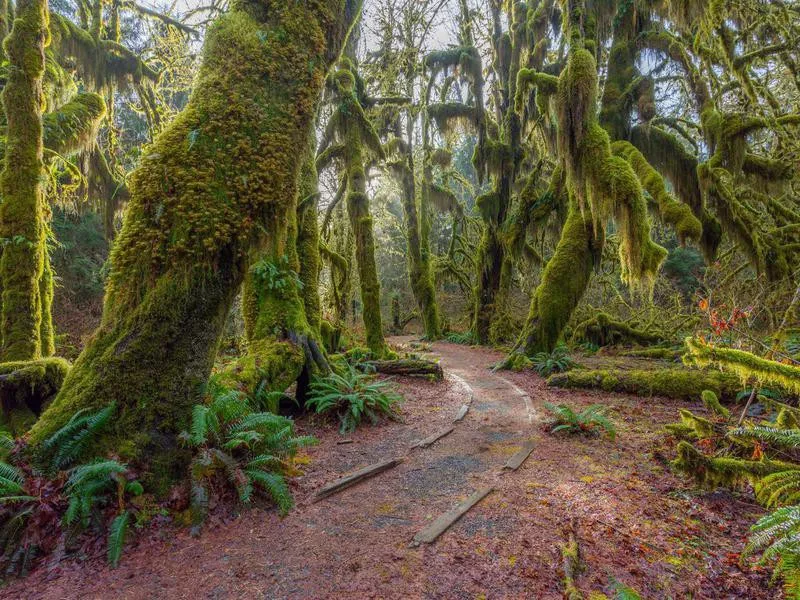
(444, 521)
(517, 459)
(356, 477)
(424, 443)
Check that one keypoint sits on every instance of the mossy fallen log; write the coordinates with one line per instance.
(684, 384)
(25, 388)
(603, 330)
(406, 366)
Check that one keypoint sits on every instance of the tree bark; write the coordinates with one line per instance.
(208, 186)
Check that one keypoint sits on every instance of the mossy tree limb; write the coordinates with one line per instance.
(201, 194)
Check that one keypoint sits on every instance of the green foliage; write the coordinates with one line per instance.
(684, 266)
(352, 396)
(79, 256)
(251, 449)
(777, 537)
(67, 444)
(34, 505)
(116, 537)
(590, 420)
(557, 361)
(466, 338)
(278, 277)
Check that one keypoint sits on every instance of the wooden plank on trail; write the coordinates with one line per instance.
(356, 477)
(462, 412)
(432, 438)
(517, 459)
(444, 521)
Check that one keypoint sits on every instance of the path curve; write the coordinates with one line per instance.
(357, 543)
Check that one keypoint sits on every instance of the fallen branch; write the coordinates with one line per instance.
(407, 366)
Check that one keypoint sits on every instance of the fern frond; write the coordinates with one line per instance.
(275, 486)
(116, 537)
(783, 438)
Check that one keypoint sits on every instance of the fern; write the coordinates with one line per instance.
(116, 537)
(557, 361)
(589, 420)
(67, 444)
(251, 449)
(11, 479)
(352, 396)
(782, 438)
(777, 489)
(777, 537)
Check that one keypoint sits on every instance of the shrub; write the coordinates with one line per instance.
(352, 396)
(590, 420)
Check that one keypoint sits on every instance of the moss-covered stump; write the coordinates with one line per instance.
(683, 383)
(204, 191)
(25, 389)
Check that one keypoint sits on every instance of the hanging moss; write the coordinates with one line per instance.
(73, 127)
(449, 116)
(213, 179)
(350, 127)
(674, 213)
(681, 384)
(25, 389)
(745, 365)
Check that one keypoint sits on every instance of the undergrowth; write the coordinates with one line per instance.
(352, 396)
(251, 449)
(591, 420)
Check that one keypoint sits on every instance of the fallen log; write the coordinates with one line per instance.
(406, 366)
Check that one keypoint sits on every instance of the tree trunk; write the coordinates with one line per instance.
(23, 211)
(419, 263)
(209, 183)
(308, 237)
(361, 223)
(564, 282)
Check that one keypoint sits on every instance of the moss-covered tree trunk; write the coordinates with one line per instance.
(563, 284)
(308, 237)
(211, 183)
(361, 223)
(420, 274)
(23, 226)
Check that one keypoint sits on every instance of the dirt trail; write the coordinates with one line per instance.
(635, 521)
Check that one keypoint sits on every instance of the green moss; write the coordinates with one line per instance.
(603, 330)
(672, 212)
(308, 238)
(74, 126)
(23, 212)
(745, 365)
(562, 286)
(725, 472)
(684, 384)
(212, 181)
(351, 128)
(711, 402)
(25, 389)
(701, 427)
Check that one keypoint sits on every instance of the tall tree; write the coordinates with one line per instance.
(27, 291)
(224, 171)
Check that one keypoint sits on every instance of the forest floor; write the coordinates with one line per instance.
(635, 521)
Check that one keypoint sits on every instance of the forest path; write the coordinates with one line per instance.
(636, 522)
